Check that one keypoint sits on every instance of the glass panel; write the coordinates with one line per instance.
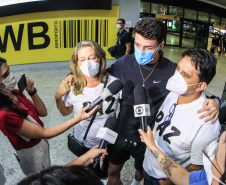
(173, 32)
(158, 8)
(223, 22)
(202, 16)
(214, 19)
(176, 11)
(145, 7)
(188, 40)
(202, 32)
(190, 14)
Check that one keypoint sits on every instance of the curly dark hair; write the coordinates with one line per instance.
(204, 61)
(150, 28)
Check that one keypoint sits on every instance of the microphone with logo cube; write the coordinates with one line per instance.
(107, 135)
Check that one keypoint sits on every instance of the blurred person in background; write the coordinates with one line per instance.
(123, 39)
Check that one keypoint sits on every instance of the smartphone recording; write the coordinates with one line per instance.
(22, 83)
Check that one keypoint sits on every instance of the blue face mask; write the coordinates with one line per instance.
(144, 57)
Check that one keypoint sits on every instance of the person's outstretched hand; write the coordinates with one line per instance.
(147, 138)
(93, 153)
(82, 114)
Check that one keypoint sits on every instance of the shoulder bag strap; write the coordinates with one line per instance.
(94, 115)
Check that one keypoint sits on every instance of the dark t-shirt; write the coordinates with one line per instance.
(122, 39)
(215, 41)
(127, 70)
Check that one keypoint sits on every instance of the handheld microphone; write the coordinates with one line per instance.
(141, 108)
(107, 135)
(107, 93)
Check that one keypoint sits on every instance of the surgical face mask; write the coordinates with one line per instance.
(90, 68)
(9, 82)
(118, 26)
(178, 85)
(209, 151)
(144, 57)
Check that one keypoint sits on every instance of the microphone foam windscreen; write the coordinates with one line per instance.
(140, 95)
(115, 86)
(111, 123)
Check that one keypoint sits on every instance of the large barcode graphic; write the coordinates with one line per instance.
(70, 32)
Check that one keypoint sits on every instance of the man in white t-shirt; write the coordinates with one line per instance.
(178, 131)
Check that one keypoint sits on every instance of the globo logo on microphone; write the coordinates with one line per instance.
(139, 110)
(107, 135)
(142, 110)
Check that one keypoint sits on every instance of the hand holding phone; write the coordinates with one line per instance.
(22, 83)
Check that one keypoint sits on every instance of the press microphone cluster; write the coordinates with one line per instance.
(107, 135)
(141, 108)
(107, 93)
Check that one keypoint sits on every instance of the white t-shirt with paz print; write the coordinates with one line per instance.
(184, 138)
(89, 95)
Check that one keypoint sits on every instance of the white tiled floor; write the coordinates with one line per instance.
(47, 77)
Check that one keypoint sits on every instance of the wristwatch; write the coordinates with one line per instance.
(33, 92)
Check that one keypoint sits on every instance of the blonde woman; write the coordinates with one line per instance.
(88, 64)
